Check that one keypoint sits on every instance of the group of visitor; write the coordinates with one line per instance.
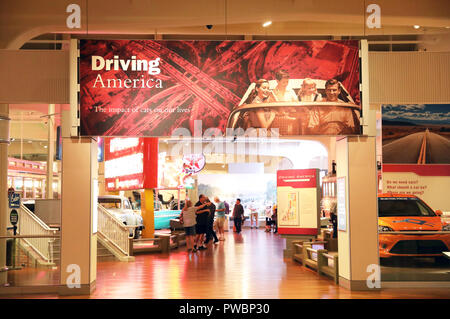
(198, 221)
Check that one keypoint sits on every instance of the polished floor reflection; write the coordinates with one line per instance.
(249, 265)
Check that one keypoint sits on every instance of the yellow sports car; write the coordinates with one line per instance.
(409, 227)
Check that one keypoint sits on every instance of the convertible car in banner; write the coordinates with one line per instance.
(288, 118)
(151, 88)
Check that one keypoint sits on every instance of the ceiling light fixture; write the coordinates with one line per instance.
(266, 24)
(416, 26)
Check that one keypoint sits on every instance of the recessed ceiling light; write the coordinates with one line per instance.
(416, 26)
(266, 24)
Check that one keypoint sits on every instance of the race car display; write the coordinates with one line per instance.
(407, 226)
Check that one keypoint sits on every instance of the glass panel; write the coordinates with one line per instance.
(28, 183)
(412, 242)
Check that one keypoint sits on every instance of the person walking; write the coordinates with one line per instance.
(238, 215)
(220, 220)
(210, 233)
(275, 219)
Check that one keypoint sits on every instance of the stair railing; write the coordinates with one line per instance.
(30, 224)
(112, 229)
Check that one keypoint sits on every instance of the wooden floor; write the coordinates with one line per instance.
(249, 265)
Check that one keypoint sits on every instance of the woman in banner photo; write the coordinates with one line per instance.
(261, 117)
(281, 93)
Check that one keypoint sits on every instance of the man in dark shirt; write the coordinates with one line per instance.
(202, 222)
(210, 233)
(238, 215)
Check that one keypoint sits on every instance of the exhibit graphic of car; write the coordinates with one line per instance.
(121, 208)
(407, 226)
(299, 118)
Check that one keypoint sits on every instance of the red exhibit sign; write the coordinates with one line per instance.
(152, 88)
(131, 163)
(430, 182)
(298, 201)
(297, 178)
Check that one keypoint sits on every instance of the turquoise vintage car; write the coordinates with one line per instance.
(163, 217)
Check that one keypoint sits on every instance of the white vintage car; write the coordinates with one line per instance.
(121, 208)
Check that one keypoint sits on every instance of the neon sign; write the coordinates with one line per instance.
(131, 163)
(193, 163)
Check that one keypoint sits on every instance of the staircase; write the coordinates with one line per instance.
(38, 251)
(103, 253)
(113, 240)
(55, 251)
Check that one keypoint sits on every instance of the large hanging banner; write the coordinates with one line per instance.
(172, 88)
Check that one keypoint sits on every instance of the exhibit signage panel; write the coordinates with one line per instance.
(429, 182)
(152, 88)
(298, 197)
(131, 163)
(341, 193)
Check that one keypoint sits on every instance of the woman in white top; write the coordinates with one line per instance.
(281, 93)
(188, 219)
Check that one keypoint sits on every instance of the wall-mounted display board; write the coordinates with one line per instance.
(298, 197)
(429, 182)
(341, 192)
(416, 134)
(151, 88)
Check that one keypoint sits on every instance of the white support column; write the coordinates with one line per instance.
(78, 214)
(50, 150)
(4, 142)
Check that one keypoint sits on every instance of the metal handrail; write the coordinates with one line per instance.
(29, 236)
(36, 219)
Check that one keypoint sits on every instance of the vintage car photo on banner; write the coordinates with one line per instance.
(151, 88)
